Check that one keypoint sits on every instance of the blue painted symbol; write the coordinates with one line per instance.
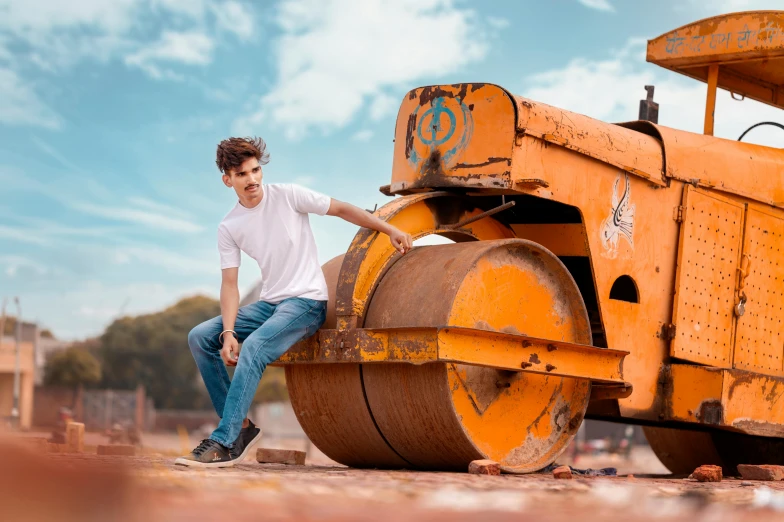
(430, 130)
(437, 126)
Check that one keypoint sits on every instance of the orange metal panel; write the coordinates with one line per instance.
(629, 150)
(517, 353)
(754, 403)
(749, 48)
(454, 135)
(560, 239)
(695, 389)
(752, 171)
(759, 343)
(709, 252)
(736, 399)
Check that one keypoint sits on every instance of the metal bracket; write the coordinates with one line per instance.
(677, 214)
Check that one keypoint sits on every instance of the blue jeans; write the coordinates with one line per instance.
(266, 331)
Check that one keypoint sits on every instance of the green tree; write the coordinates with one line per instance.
(72, 367)
(272, 387)
(152, 350)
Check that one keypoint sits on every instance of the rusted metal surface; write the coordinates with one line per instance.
(626, 149)
(737, 400)
(528, 420)
(502, 351)
(371, 254)
(682, 451)
(747, 47)
(449, 136)
(708, 261)
(742, 169)
(760, 332)
(608, 196)
(329, 401)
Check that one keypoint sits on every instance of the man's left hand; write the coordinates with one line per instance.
(401, 241)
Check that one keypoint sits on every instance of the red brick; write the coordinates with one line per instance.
(707, 473)
(762, 472)
(280, 456)
(562, 472)
(118, 450)
(484, 467)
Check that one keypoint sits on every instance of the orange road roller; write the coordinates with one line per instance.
(626, 272)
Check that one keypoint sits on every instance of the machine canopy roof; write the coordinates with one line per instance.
(748, 48)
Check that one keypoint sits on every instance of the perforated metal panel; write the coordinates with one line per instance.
(759, 341)
(708, 255)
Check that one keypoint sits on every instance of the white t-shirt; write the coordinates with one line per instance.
(276, 233)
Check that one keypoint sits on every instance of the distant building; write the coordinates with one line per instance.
(27, 357)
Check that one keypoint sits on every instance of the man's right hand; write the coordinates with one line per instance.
(230, 353)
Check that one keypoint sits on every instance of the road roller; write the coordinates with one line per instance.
(627, 272)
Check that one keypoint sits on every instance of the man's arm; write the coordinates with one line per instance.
(399, 239)
(230, 304)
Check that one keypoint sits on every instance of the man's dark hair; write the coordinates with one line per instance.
(234, 151)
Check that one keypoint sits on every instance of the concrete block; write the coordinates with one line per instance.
(562, 472)
(280, 456)
(707, 473)
(484, 467)
(117, 450)
(761, 472)
(74, 437)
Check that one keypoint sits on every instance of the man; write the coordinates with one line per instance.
(270, 224)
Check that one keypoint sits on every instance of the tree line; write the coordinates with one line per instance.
(151, 350)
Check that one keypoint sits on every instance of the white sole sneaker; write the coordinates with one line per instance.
(181, 461)
(249, 447)
(196, 464)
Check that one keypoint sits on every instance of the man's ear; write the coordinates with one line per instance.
(227, 180)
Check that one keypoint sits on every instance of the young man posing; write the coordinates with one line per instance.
(270, 224)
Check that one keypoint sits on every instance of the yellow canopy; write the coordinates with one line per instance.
(747, 50)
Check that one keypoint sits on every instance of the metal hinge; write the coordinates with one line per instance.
(677, 214)
(669, 331)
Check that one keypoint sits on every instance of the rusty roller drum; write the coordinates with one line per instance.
(442, 416)
(329, 402)
(682, 451)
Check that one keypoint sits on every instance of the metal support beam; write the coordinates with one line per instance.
(710, 104)
(463, 346)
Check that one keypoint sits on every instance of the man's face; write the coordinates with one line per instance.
(245, 180)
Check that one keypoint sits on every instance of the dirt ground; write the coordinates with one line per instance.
(150, 488)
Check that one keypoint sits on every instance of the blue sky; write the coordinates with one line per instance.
(110, 113)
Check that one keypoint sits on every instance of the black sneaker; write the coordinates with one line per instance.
(208, 454)
(245, 441)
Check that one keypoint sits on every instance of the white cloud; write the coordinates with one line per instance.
(601, 5)
(54, 35)
(19, 105)
(363, 135)
(155, 220)
(14, 265)
(20, 234)
(382, 106)
(717, 7)
(335, 54)
(191, 48)
(234, 17)
(610, 89)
